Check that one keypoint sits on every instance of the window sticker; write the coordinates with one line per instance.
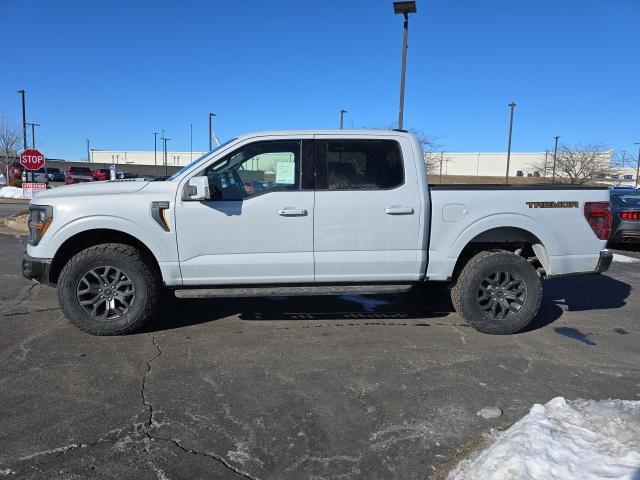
(285, 173)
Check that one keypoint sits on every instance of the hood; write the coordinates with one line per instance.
(110, 187)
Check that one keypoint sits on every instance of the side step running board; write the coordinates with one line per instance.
(274, 291)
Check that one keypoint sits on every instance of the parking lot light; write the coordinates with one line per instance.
(342, 112)
(638, 165)
(403, 8)
(555, 154)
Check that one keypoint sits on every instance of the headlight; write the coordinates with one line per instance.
(40, 217)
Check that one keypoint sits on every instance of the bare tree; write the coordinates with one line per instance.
(9, 144)
(431, 149)
(579, 164)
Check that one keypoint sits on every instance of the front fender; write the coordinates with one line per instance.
(55, 237)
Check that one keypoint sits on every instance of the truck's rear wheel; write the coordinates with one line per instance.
(108, 290)
(497, 292)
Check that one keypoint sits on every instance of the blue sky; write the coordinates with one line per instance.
(116, 71)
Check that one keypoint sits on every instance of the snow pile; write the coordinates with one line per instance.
(563, 440)
(624, 259)
(11, 192)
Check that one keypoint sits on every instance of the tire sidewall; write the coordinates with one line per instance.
(74, 271)
(505, 262)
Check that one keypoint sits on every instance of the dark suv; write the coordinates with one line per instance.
(625, 208)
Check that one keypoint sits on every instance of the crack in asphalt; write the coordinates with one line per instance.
(17, 314)
(219, 459)
(146, 432)
(21, 300)
(143, 394)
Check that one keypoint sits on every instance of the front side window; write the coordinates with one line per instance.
(254, 169)
(359, 164)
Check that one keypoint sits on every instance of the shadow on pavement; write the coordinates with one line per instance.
(577, 293)
(417, 303)
(573, 293)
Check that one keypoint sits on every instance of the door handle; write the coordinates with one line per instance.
(396, 210)
(292, 212)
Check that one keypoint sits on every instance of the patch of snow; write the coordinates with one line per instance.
(490, 412)
(624, 259)
(368, 304)
(563, 440)
(11, 192)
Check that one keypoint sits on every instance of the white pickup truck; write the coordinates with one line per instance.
(316, 212)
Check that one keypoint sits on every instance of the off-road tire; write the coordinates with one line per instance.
(130, 260)
(465, 292)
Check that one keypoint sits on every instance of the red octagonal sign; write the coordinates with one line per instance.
(32, 159)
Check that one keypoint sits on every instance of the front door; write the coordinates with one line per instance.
(258, 226)
(367, 210)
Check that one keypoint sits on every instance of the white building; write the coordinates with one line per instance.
(480, 164)
(142, 157)
(494, 164)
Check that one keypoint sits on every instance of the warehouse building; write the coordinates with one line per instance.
(142, 157)
(480, 164)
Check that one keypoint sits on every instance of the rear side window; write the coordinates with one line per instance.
(359, 164)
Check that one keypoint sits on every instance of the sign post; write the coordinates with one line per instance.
(32, 160)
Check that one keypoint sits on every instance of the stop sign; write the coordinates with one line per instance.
(32, 159)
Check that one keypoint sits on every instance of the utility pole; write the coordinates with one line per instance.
(403, 8)
(441, 158)
(638, 165)
(155, 149)
(24, 119)
(342, 112)
(512, 105)
(555, 155)
(88, 151)
(33, 133)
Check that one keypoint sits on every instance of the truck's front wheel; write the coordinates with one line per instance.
(108, 290)
(497, 292)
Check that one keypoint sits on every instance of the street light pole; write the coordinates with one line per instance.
(155, 149)
(33, 133)
(342, 112)
(512, 105)
(164, 150)
(555, 155)
(211, 115)
(404, 8)
(24, 119)
(88, 152)
(638, 165)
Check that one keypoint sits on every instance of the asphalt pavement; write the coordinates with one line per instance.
(376, 387)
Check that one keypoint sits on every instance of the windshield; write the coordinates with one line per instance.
(198, 160)
(629, 198)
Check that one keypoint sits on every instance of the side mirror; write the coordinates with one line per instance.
(198, 188)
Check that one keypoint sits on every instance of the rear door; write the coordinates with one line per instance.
(367, 210)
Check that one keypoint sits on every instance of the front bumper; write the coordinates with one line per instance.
(606, 257)
(36, 268)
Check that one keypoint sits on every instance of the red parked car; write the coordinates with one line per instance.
(101, 174)
(77, 175)
(15, 170)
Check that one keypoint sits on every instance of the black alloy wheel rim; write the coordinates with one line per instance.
(501, 295)
(105, 293)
